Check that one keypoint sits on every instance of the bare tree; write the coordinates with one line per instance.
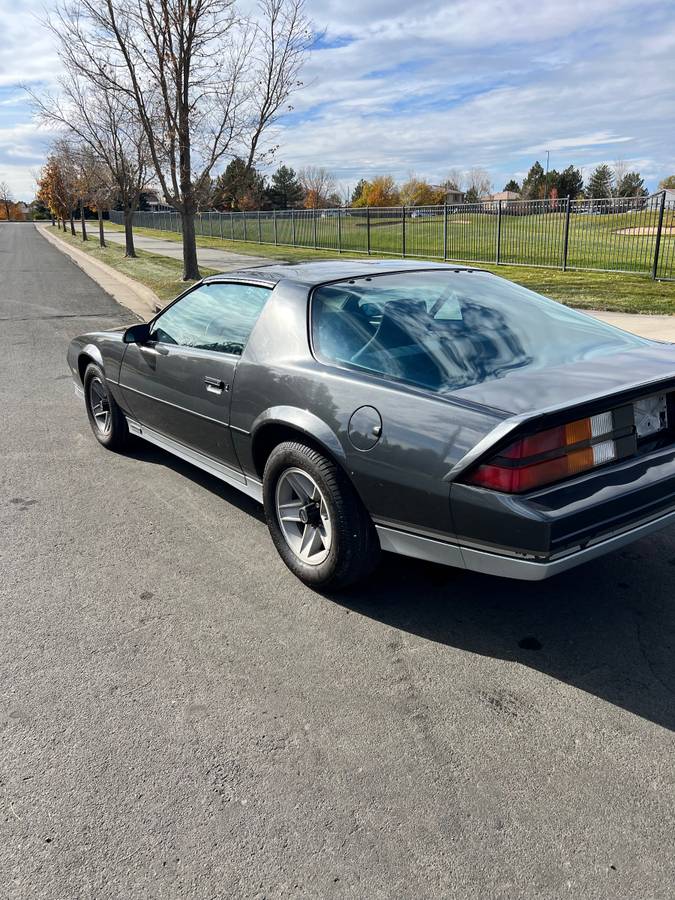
(620, 170)
(318, 184)
(207, 83)
(456, 180)
(6, 198)
(98, 189)
(478, 182)
(105, 123)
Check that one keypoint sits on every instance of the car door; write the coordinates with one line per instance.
(179, 383)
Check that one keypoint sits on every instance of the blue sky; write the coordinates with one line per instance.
(427, 87)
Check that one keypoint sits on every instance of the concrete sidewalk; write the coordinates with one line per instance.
(208, 257)
(657, 327)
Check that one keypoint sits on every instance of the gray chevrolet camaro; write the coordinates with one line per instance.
(436, 411)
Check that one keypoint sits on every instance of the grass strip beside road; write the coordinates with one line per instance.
(610, 291)
(161, 274)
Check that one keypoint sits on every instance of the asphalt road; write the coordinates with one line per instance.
(181, 718)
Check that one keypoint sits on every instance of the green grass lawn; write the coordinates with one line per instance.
(161, 274)
(586, 290)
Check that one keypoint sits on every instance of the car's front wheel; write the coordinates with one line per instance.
(105, 417)
(317, 521)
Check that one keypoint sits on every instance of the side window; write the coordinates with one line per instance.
(217, 317)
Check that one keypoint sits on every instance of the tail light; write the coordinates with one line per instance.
(558, 453)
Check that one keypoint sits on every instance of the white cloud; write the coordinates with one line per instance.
(581, 141)
(427, 86)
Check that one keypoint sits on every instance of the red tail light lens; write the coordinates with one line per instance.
(549, 456)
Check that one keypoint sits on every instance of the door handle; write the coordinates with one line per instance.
(215, 385)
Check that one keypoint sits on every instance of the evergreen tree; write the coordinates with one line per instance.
(358, 190)
(512, 185)
(534, 185)
(631, 185)
(601, 183)
(285, 190)
(239, 187)
(569, 182)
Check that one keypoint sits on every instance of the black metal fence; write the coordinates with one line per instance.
(613, 235)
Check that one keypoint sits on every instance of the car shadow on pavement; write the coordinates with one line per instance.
(607, 628)
(148, 453)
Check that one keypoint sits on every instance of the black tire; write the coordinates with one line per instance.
(115, 434)
(354, 547)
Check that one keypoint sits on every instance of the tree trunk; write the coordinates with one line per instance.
(129, 249)
(84, 227)
(53, 221)
(72, 225)
(101, 236)
(190, 265)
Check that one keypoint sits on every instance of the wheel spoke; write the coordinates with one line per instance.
(299, 487)
(288, 512)
(312, 543)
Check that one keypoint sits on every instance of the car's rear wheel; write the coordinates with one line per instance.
(105, 417)
(317, 521)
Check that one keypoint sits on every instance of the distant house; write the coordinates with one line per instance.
(155, 202)
(452, 196)
(504, 195)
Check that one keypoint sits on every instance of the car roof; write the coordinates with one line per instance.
(322, 271)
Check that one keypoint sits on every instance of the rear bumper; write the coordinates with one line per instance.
(489, 562)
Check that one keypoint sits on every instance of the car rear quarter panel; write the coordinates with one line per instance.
(401, 478)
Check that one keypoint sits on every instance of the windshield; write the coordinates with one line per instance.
(445, 330)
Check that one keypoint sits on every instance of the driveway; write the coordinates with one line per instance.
(181, 718)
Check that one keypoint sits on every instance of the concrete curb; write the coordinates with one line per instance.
(135, 296)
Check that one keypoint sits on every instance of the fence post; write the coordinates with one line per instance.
(566, 236)
(259, 229)
(657, 246)
(314, 226)
(368, 226)
(220, 219)
(498, 254)
(445, 230)
(293, 226)
(340, 230)
(245, 231)
(403, 231)
(274, 220)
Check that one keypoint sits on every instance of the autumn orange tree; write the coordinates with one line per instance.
(416, 192)
(381, 191)
(7, 204)
(57, 184)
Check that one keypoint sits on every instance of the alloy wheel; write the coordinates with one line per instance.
(99, 403)
(303, 515)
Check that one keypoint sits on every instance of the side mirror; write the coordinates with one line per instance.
(137, 334)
